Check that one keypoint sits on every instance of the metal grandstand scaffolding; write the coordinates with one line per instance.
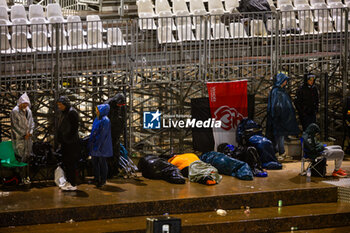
(163, 62)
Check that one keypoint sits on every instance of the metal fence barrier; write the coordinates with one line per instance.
(161, 63)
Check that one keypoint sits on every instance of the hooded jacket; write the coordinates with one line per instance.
(312, 146)
(68, 123)
(281, 120)
(100, 138)
(306, 99)
(117, 114)
(21, 124)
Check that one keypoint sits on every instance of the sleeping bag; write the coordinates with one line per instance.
(227, 165)
(153, 167)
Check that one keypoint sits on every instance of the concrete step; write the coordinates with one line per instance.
(99, 209)
(323, 230)
(271, 219)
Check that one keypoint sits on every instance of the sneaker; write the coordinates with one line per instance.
(69, 187)
(342, 170)
(339, 173)
(26, 181)
(100, 184)
(62, 185)
(281, 157)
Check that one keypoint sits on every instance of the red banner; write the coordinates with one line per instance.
(229, 104)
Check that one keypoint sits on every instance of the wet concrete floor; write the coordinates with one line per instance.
(41, 196)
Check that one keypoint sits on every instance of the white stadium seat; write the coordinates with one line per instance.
(237, 30)
(162, 5)
(36, 11)
(4, 15)
(40, 41)
(74, 22)
(179, 5)
(3, 3)
(95, 38)
(185, 33)
(230, 5)
(54, 10)
(165, 19)
(307, 25)
(18, 12)
(197, 6)
(20, 43)
(220, 31)
(165, 35)
(325, 25)
(76, 39)
(38, 24)
(115, 37)
(257, 28)
(5, 46)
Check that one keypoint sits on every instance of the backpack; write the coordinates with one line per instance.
(318, 167)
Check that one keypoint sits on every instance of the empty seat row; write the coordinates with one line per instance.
(217, 31)
(257, 28)
(35, 11)
(321, 11)
(163, 9)
(312, 3)
(76, 40)
(39, 24)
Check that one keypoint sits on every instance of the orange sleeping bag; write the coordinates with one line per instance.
(183, 160)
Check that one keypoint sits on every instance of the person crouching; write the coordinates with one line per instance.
(101, 144)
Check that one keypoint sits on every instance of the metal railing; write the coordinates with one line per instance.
(161, 63)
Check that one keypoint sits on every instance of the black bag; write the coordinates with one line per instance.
(318, 167)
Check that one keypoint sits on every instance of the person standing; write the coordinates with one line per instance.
(22, 127)
(281, 120)
(117, 116)
(101, 144)
(307, 101)
(68, 138)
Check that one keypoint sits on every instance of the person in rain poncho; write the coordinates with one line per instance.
(101, 144)
(67, 136)
(22, 127)
(307, 102)
(281, 120)
(117, 117)
(314, 148)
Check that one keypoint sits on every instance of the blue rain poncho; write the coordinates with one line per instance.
(281, 120)
(100, 137)
(266, 152)
(227, 165)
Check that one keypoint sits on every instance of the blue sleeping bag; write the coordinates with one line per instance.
(265, 149)
(227, 165)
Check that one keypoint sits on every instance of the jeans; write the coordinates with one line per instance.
(100, 169)
(279, 144)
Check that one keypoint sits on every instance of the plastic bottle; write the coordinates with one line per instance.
(308, 172)
(308, 175)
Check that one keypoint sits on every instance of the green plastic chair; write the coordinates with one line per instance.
(7, 156)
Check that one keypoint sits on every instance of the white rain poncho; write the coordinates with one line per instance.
(21, 124)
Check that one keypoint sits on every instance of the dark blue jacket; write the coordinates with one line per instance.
(281, 120)
(100, 137)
